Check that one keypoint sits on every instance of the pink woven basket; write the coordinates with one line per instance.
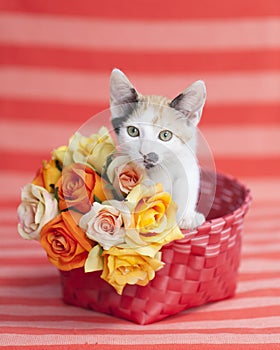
(200, 268)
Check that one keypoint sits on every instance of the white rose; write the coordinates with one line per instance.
(37, 207)
(103, 224)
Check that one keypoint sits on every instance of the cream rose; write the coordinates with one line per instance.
(125, 174)
(103, 224)
(93, 150)
(37, 208)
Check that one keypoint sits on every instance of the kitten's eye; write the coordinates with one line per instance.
(133, 131)
(165, 135)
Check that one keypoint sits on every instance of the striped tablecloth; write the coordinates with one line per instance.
(55, 63)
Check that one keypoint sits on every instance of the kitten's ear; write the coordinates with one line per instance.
(191, 101)
(121, 89)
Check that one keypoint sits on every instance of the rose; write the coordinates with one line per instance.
(125, 174)
(103, 224)
(65, 242)
(78, 187)
(38, 207)
(93, 150)
(125, 266)
(153, 215)
(62, 155)
(48, 175)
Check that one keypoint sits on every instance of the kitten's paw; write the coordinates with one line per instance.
(192, 221)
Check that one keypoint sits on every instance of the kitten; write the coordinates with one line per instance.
(160, 134)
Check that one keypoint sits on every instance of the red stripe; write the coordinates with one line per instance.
(48, 57)
(253, 167)
(206, 316)
(241, 114)
(52, 111)
(249, 166)
(146, 9)
(142, 346)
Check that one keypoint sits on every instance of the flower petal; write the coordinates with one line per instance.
(94, 260)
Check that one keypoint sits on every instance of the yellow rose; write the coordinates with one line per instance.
(48, 175)
(125, 266)
(154, 215)
(63, 155)
(93, 150)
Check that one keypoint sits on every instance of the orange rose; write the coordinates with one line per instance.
(78, 186)
(48, 175)
(65, 242)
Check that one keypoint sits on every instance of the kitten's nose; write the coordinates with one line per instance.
(151, 157)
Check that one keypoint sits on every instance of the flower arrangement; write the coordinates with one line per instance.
(90, 207)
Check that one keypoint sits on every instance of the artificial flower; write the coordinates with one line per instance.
(117, 226)
(65, 243)
(93, 150)
(78, 187)
(48, 175)
(154, 215)
(125, 174)
(103, 224)
(125, 266)
(94, 261)
(62, 155)
(37, 207)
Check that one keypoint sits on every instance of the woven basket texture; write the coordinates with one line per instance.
(200, 268)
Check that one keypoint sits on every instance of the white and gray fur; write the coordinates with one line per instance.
(174, 162)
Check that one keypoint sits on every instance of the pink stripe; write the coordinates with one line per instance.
(258, 227)
(258, 284)
(269, 211)
(80, 86)
(261, 238)
(264, 189)
(28, 272)
(224, 141)
(254, 265)
(16, 181)
(23, 253)
(251, 249)
(113, 339)
(31, 292)
(119, 35)
(233, 140)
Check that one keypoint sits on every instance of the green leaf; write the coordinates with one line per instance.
(58, 165)
(96, 199)
(56, 194)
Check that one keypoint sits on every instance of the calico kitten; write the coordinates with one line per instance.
(160, 134)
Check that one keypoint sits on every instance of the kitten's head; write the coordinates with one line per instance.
(151, 129)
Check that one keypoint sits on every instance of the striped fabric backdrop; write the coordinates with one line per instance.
(55, 62)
